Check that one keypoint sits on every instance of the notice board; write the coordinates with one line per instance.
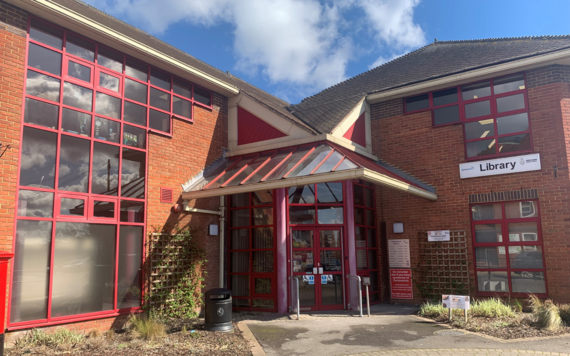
(399, 253)
(401, 284)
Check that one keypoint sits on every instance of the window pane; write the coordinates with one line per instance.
(487, 212)
(302, 195)
(134, 136)
(35, 204)
(31, 270)
(527, 231)
(475, 91)
(330, 163)
(369, 196)
(103, 209)
(509, 103)
(134, 113)
(136, 70)
(512, 123)
(417, 102)
(523, 209)
(240, 200)
(263, 262)
(302, 239)
(359, 216)
(306, 293)
(240, 218)
(301, 215)
(77, 96)
(492, 281)
(491, 257)
(360, 236)
(331, 293)
(372, 259)
(83, 269)
(79, 71)
(42, 86)
(46, 34)
(262, 216)
(239, 262)
(273, 162)
(182, 107)
(160, 79)
(74, 164)
(239, 239)
(361, 263)
(76, 122)
(202, 96)
(44, 59)
(331, 260)
(303, 261)
(444, 97)
(130, 263)
(526, 257)
(370, 217)
(446, 115)
(108, 106)
(488, 233)
(80, 47)
(330, 238)
(358, 195)
(514, 143)
(110, 59)
(37, 166)
(479, 129)
(289, 163)
(371, 238)
(262, 237)
(133, 173)
(481, 148)
(107, 130)
(182, 88)
(240, 287)
(481, 108)
(40, 113)
(132, 211)
(528, 282)
(263, 303)
(105, 169)
(331, 215)
(512, 83)
(72, 207)
(159, 99)
(109, 82)
(262, 286)
(329, 193)
(159, 121)
(311, 161)
(135, 91)
(262, 197)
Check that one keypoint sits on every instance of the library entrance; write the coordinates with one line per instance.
(318, 264)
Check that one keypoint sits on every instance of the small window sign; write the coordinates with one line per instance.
(441, 235)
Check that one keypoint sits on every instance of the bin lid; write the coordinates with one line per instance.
(218, 291)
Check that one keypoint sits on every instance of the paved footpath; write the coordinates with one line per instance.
(390, 331)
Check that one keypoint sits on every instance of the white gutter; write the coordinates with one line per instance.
(558, 57)
(68, 14)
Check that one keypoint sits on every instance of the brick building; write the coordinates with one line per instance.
(442, 171)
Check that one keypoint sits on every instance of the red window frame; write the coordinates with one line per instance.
(506, 243)
(316, 205)
(251, 274)
(494, 115)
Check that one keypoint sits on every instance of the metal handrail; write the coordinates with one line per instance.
(296, 278)
(348, 276)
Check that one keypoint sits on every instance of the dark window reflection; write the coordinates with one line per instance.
(132, 211)
(108, 105)
(509, 103)
(76, 122)
(475, 91)
(202, 96)
(182, 88)
(301, 215)
(481, 148)
(159, 79)
(44, 59)
(109, 82)
(159, 121)
(40, 113)
(182, 107)
(110, 59)
(42, 86)
(479, 129)
(73, 164)
(133, 167)
(35, 204)
(72, 207)
(77, 96)
(37, 167)
(105, 169)
(329, 193)
(46, 34)
(107, 130)
(134, 113)
(302, 195)
(514, 143)
(417, 102)
(446, 115)
(331, 215)
(444, 97)
(159, 99)
(507, 84)
(79, 71)
(130, 263)
(135, 91)
(103, 209)
(134, 136)
(481, 108)
(136, 70)
(512, 123)
(79, 47)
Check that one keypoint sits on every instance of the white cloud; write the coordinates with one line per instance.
(382, 59)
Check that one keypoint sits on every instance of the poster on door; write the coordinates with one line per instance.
(401, 284)
(310, 279)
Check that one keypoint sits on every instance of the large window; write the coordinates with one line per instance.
(507, 242)
(252, 251)
(320, 203)
(494, 114)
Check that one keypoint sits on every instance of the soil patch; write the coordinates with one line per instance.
(176, 342)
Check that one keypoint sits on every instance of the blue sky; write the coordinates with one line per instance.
(295, 48)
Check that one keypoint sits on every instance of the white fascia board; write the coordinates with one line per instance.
(67, 18)
(350, 119)
(558, 57)
(359, 173)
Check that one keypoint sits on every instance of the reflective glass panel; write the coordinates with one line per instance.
(514, 143)
(446, 115)
(331, 292)
(72, 207)
(239, 239)
(417, 102)
(360, 236)
(134, 113)
(358, 194)
(103, 209)
(79, 47)
(83, 269)
(262, 286)
(134, 136)
(486, 212)
(311, 161)
(252, 166)
(345, 164)
(480, 108)
(329, 193)
(159, 121)
(37, 165)
(159, 79)
(44, 59)
(330, 238)
(510, 103)
(330, 163)
(159, 99)
(40, 113)
(263, 262)
(306, 293)
(302, 195)
(289, 163)
(512, 123)
(202, 96)
(232, 170)
(479, 129)
(30, 281)
(262, 237)
(274, 161)
(136, 70)
(475, 91)
(240, 200)
(519, 210)
(491, 257)
(507, 84)
(371, 237)
(303, 239)
(133, 167)
(239, 262)
(109, 82)
(359, 216)
(130, 264)
(303, 261)
(182, 107)
(213, 171)
(526, 257)
(492, 281)
(42, 86)
(488, 233)
(108, 105)
(372, 259)
(262, 216)
(361, 263)
(132, 211)
(481, 148)
(35, 204)
(74, 164)
(46, 34)
(110, 59)
(444, 97)
(182, 88)
(331, 260)
(525, 232)
(239, 302)
(77, 96)
(79, 71)
(369, 196)
(240, 217)
(262, 197)
(370, 217)
(331, 215)
(135, 91)
(240, 288)
(105, 169)
(528, 282)
(76, 122)
(107, 130)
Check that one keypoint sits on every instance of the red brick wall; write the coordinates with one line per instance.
(434, 154)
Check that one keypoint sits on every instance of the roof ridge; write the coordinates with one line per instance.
(233, 76)
(494, 39)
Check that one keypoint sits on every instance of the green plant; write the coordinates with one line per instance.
(491, 308)
(59, 337)
(432, 310)
(565, 313)
(546, 313)
(147, 328)
(517, 305)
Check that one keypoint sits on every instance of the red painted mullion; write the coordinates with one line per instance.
(269, 158)
(279, 164)
(300, 161)
(239, 171)
(43, 45)
(323, 161)
(339, 163)
(33, 69)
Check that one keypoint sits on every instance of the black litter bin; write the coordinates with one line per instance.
(219, 310)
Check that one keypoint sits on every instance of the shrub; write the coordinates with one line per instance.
(547, 314)
(432, 310)
(57, 338)
(565, 313)
(146, 328)
(491, 308)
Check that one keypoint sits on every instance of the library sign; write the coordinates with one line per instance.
(497, 166)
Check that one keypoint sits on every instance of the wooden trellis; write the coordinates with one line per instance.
(444, 266)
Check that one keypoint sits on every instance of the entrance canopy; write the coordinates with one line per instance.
(295, 166)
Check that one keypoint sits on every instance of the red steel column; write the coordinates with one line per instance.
(5, 257)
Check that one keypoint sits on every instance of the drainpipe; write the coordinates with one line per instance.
(222, 229)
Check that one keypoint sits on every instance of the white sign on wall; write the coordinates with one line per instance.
(399, 253)
(491, 167)
(442, 235)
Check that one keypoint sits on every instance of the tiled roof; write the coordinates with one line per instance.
(325, 110)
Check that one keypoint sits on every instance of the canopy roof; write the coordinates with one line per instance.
(294, 166)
